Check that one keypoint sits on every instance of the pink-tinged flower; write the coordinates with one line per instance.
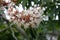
(5, 2)
(29, 18)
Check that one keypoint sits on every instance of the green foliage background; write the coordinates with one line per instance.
(46, 27)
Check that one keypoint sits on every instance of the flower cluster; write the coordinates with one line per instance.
(29, 18)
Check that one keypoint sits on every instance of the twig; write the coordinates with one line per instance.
(13, 32)
(21, 31)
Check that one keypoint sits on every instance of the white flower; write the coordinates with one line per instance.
(20, 8)
(29, 18)
(6, 14)
(32, 3)
(7, 1)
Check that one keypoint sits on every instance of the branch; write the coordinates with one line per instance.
(13, 32)
(22, 31)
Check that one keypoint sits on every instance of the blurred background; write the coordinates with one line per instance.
(49, 28)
